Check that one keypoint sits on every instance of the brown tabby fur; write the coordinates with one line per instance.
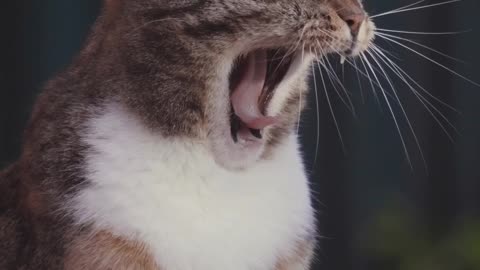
(104, 251)
(141, 53)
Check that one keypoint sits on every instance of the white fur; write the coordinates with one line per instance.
(192, 213)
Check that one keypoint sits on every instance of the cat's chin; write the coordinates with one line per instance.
(237, 155)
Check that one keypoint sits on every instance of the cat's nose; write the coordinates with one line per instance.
(354, 16)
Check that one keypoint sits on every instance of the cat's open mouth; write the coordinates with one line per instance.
(253, 81)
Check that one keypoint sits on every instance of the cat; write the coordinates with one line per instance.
(170, 142)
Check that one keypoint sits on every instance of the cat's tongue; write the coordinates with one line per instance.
(245, 97)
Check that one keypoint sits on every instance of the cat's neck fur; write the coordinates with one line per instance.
(171, 195)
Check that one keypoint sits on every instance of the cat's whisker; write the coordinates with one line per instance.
(403, 7)
(423, 46)
(421, 33)
(414, 8)
(317, 145)
(292, 50)
(390, 109)
(413, 89)
(373, 82)
(430, 60)
(299, 118)
(416, 93)
(360, 72)
(363, 73)
(390, 53)
(416, 83)
(300, 40)
(303, 52)
(334, 80)
(330, 106)
(274, 57)
(426, 103)
(377, 99)
(348, 102)
(327, 33)
(409, 123)
(359, 81)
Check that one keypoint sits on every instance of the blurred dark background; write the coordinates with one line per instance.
(376, 209)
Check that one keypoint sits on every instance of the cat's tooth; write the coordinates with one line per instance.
(342, 59)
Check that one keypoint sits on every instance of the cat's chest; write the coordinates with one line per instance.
(188, 211)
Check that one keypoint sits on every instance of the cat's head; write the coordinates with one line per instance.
(244, 62)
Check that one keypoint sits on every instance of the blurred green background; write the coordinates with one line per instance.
(376, 211)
